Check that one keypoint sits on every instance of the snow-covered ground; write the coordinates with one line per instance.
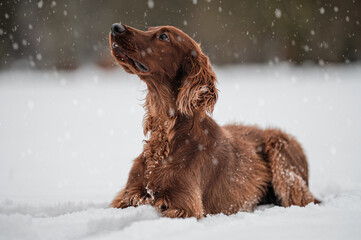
(67, 141)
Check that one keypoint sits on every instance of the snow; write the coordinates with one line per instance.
(150, 4)
(15, 46)
(39, 56)
(40, 4)
(67, 140)
(278, 13)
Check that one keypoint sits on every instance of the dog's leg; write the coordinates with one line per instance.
(134, 193)
(289, 169)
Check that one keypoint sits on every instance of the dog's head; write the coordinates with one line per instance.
(168, 59)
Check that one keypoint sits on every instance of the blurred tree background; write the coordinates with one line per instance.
(67, 34)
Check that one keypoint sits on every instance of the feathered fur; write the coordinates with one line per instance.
(191, 166)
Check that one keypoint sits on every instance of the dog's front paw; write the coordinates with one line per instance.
(165, 208)
(175, 213)
(127, 199)
(120, 203)
(180, 213)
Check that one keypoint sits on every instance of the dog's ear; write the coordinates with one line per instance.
(198, 90)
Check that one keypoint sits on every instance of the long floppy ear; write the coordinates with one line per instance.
(198, 91)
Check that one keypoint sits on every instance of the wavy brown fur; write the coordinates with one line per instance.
(191, 166)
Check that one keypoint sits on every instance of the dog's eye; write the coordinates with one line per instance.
(163, 37)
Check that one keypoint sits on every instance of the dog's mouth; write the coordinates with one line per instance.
(121, 55)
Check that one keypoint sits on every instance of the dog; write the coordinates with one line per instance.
(190, 166)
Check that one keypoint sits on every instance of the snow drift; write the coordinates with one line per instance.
(64, 153)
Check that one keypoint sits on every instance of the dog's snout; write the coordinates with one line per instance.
(117, 29)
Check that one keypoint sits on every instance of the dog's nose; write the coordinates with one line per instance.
(117, 29)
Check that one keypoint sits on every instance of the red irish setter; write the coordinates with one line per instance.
(191, 166)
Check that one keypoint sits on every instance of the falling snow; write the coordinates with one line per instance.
(150, 4)
(15, 46)
(39, 56)
(278, 13)
(306, 48)
(171, 112)
(40, 4)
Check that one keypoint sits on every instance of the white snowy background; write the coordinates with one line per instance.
(67, 141)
